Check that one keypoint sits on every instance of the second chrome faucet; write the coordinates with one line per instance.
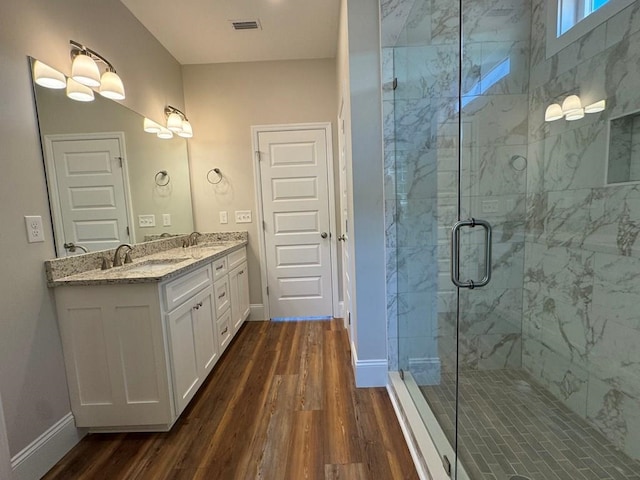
(117, 257)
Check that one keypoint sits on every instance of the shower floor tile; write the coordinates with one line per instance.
(510, 425)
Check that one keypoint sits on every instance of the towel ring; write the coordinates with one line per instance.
(162, 174)
(216, 171)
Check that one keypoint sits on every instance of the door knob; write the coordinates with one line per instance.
(342, 238)
(324, 235)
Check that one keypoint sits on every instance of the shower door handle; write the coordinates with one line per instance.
(455, 253)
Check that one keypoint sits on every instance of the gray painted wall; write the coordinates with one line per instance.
(32, 380)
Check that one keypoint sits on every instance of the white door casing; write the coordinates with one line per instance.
(295, 206)
(343, 231)
(88, 190)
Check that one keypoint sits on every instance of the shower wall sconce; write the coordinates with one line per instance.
(85, 75)
(176, 122)
(571, 109)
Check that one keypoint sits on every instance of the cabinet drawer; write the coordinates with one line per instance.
(236, 258)
(224, 330)
(182, 288)
(221, 296)
(220, 268)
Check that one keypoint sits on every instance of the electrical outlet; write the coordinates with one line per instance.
(166, 219)
(224, 218)
(146, 221)
(243, 216)
(35, 233)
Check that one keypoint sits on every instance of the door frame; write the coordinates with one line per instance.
(257, 178)
(54, 194)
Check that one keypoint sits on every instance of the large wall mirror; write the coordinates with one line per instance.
(109, 181)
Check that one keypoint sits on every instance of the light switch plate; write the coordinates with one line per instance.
(224, 218)
(243, 216)
(35, 233)
(146, 221)
(166, 219)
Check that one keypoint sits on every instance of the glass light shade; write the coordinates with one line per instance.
(48, 77)
(84, 70)
(575, 115)
(595, 107)
(187, 131)
(77, 91)
(553, 112)
(174, 122)
(111, 86)
(150, 126)
(165, 133)
(571, 104)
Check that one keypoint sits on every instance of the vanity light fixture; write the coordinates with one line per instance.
(553, 112)
(178, 122)
(47, 76)
(85, 71)
(596, 107)
(571, 104)
(165, 133)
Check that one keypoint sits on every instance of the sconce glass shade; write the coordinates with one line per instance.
(575, 115)
(48, 77)
(77, 91)
(84, 70)
(150, 126)
(165, 133)
(111, 86)
(571, 104)
(595, 107)
(553, 112)
(187, 131)
(174, 122)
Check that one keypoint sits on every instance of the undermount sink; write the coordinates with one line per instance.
(154, 265)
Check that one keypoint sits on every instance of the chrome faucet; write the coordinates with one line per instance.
(117, 258)
(72, 247)
(193, 238)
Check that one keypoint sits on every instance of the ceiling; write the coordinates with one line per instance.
(199, 31)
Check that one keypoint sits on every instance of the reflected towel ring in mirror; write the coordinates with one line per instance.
(217, 172)
(162, 174)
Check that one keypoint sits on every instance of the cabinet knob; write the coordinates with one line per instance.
(324, 235)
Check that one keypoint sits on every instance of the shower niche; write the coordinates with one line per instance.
(623, 159)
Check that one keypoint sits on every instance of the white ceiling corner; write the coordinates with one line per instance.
(199, 31)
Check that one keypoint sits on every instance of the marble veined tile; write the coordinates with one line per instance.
(496, 119)
(486, 20)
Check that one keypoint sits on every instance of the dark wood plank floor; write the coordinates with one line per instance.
(280, 404)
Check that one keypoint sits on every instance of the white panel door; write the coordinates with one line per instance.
(91, 201)
(293, 172)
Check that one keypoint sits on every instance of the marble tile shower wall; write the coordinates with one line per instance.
(420, 45)
(581, 327)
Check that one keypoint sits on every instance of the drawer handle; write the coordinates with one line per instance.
(220, 267)
(222, 295)
(198, 305)
(224, 331)
(240, 272)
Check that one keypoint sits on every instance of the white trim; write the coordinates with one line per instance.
(554, 43)
(369, 373)
(52, 184)
(5, 461)
(255, 131)
(341, 311)
(256, 313)
(44, 452)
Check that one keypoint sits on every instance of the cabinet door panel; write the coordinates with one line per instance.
(239, 286)
(205, 329)
(184, 364)
(222, 295)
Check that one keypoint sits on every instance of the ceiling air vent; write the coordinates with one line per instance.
(246, 24)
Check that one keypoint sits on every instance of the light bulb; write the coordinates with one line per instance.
(575, 115)
(174, 122)
(111, 86)
(84, 70)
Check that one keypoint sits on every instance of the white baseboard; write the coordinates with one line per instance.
(257, 312)
(369, 373)
(340, 310)
(44, 452)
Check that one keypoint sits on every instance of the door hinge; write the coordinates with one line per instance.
(128, 234)
(264, 224)
(120, 160)
(349, 315)
(395, 83)
(267, 290)
(258, 155)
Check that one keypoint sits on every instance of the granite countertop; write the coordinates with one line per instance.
(146, 267)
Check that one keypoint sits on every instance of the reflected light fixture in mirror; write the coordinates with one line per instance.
(165, 133)
(150, 126)
(77, 91)
(48, 77)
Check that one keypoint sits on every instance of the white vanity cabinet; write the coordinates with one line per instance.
(239, 286)
(136, 353)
